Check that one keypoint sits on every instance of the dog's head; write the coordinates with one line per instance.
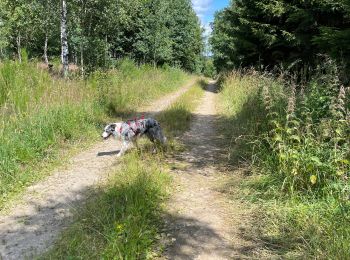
(111, 129)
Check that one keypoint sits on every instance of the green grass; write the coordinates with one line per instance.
(123, 220)
(41, 115)
(177, 118)
(295, 144)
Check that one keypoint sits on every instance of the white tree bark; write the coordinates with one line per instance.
(45, 50)
(18, 40)
(64, 39)
(82, 59)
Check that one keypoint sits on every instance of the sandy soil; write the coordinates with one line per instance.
(201, 223)
(33, 224)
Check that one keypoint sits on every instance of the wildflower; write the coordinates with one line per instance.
(313, 179)
(119, 227)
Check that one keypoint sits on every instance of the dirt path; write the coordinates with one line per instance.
(46, 208)
(202, 224)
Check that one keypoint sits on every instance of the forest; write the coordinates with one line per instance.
(285, 34)
(97, 32)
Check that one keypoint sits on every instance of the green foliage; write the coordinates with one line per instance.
(269, 33)
(139, 85)
(209, 68)
(39, 115)
(152, 31)
(297, 139)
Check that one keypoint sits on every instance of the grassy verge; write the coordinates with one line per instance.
(177, 118)
(41, 115)
(123, 221)
(294, 143)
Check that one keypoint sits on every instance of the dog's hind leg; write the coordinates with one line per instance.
(135, 143)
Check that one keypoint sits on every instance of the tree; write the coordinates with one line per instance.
(18, 23)
(154, 43)
(153, 31)
(64, 39)
(4, 31)
(269, 33)
(187, 35)
(46, 17)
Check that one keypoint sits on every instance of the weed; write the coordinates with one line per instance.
(297, 139)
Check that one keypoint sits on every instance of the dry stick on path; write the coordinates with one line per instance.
(45, 209)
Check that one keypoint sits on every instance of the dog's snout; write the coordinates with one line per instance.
(105, 135)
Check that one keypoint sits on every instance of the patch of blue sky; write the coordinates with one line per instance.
(206, 9)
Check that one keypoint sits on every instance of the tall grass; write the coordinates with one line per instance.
(40, 114)
(127, 87)
(297, 138)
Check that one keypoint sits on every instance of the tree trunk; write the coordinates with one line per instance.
(154, 53)
(46, 59)
(107, 54)
(82, 60)
(18, 41)
(64, 39)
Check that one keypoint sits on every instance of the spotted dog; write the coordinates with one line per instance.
(131, 130)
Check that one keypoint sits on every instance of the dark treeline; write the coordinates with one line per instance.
(265, 33)
(148, 31)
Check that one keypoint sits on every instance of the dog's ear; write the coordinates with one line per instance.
(113, 126)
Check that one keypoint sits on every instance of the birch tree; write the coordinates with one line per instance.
(64, 39)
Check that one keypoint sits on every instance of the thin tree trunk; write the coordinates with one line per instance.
(154, 53)
(46, 59)
(64, 39)
(19, 54)
(82, 60)
(107, 54)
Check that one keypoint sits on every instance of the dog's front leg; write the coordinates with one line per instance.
(124, 148)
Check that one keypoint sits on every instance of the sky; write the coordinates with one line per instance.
(206, 9)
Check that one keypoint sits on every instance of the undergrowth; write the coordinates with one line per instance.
(40, 114)
(295, 138)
